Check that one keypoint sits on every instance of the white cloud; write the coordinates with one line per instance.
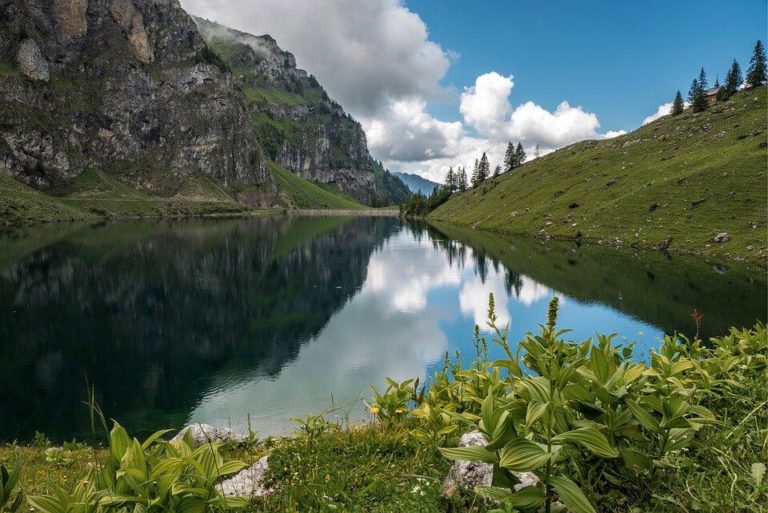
(663, 110)
(485, 105)
(366, 53)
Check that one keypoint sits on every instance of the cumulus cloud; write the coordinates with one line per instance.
(663, 110)
(366, 53)
(405, 132)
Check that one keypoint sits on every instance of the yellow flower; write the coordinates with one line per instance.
(399, 410)
(375, 410)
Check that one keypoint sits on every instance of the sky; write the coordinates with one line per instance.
(437, 83)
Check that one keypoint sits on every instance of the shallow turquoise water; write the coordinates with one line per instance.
(270, 318)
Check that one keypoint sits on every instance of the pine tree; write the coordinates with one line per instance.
(519, 154)
(696, 97)
(476, 174)
(497, 170)
(703, 84)
(462, 181)
(678, 106)
(733, 78)
(509, 157)
(484, 169)
(537, 151)
(756, 74)
(450, 181)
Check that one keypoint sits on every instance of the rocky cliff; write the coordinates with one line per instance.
(298, 125)
(126, 86)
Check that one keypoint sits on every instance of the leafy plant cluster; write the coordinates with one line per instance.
(585, 418)
(154, 476)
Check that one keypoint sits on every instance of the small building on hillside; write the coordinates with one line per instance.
(711, 94)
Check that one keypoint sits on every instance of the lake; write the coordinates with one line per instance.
(269, 318)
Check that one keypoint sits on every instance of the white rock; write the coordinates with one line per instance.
(205, 433)
(31, 61)
(467, 475)
(721, 237)
(248, 482)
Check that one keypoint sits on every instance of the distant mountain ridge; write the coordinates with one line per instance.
(417, 183)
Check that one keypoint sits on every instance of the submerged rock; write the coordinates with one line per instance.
(205, 433)
(466, 475)
(248, 482)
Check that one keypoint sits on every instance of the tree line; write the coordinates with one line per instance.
(697, 94)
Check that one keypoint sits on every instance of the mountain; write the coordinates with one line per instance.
(417, 184)
(688, 177)
(298, 125)
(128, 87)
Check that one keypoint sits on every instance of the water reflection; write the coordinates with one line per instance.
(279, 317)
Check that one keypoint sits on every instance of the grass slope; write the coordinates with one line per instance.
(20, 204)
(688, 177)
(296, 192)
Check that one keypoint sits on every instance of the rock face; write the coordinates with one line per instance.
(126, 86)
(298, 125)
(467, 475)
(205, 433)
(248, 482)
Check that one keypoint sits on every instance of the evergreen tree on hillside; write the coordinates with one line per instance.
(462, 180)
(485, 167)
(733, 78)
(756, 73)
(509, 157)
(476, 174)
(519, 154)
(696, 96)
(537, 151)
(677, 105)
(703, 84)
(497, 171)
(450, 180)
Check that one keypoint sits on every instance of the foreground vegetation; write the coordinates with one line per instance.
(686, 431)
(674, 183)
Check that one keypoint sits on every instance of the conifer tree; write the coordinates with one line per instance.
(476, 174)
(450, 181)
(519, 154)
(484, 169)
(509, 157)
(703, 84)
(756, 73)
(677, 105)
(497, 170)
(733, 78)
(696, 97)
(462, 181)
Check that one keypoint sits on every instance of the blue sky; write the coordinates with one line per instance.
(435, 83)
(617, 59)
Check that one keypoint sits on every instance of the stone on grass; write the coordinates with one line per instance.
(721, 237)
(248, 482)
(466, 475)
(205, 433)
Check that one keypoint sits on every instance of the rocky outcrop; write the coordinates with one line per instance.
(248, 482)
(299, 126)
(205, 433)
(126, 86)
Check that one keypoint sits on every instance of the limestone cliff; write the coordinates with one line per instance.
(298, 125)
(126, 86)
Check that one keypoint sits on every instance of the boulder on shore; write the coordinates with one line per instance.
(248, 482)
(205, 433)
(466, 475)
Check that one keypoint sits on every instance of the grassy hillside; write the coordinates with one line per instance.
(296, 192)
(688, 177)
(20, 204)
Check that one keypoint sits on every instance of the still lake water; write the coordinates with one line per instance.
(275, 317)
